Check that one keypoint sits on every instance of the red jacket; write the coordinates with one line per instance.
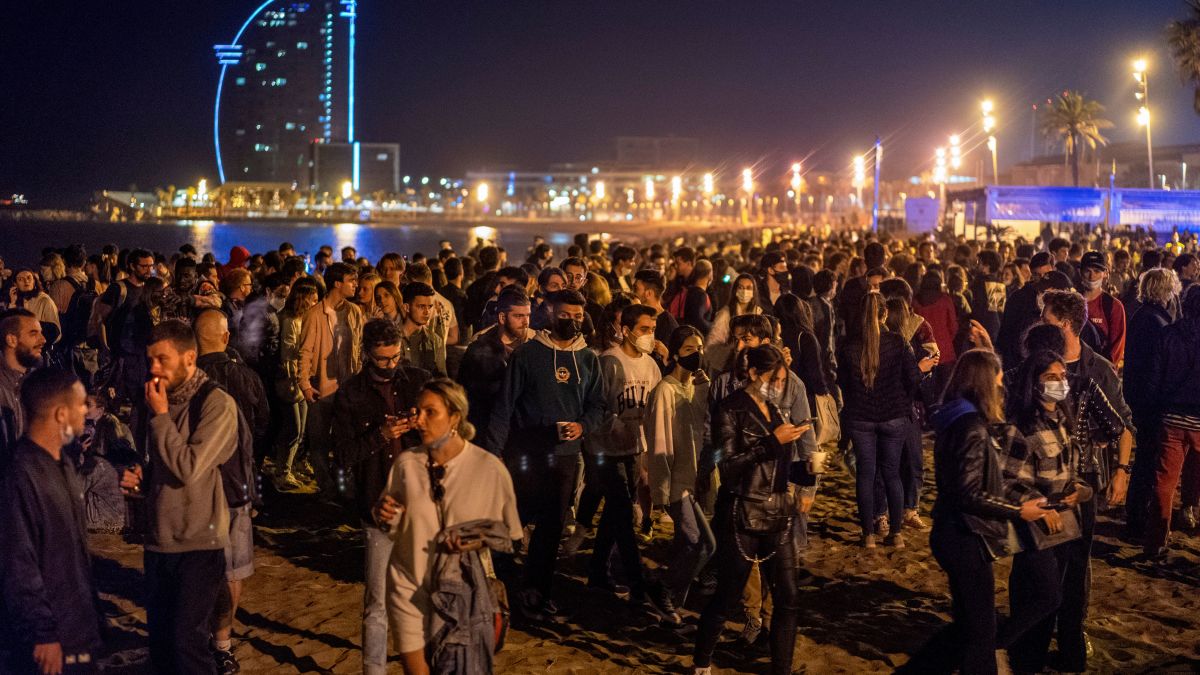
(943, 319)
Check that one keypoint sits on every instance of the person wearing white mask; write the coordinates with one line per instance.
(1105, 312)
(630, 374)
(743, 300)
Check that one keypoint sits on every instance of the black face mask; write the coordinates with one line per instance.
(690, 363)
(566, 329)
(385, 373)
(782, 278)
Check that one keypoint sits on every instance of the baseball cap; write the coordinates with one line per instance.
(1093, 260)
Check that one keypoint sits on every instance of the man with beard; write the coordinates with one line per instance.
(20, 352)
(177, 300)
(187, 508)
(481, 372)
(552, 396)
(116, 325)
(373, 422)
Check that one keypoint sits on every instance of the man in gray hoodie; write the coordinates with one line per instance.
(188, 512)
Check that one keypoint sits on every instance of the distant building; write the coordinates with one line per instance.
(1131, 169)
(657, 152)
(333, 164)
(287, 82)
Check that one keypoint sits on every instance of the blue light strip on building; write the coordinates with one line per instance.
(350, 11)
(221, 83)
(357, 165)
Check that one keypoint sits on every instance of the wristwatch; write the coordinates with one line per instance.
(1127, 468)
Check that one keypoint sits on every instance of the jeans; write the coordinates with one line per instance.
(1176, 457)
(616, 523)
(733, 569)
(317, 424)
(1035, 590)
(590, 493)
(691, 547)
(877, 448)
(291, 432)
(544, 485)
(375, 620)
(181, 592)
(912, 473)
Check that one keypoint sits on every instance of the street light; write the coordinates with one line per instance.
(481, 193)
(748, 181)
(676, 188)
(649, 189)
(347, 189)
(989, 125)
(939, 175)
(797, 182)
(1143, 94)
(599, 190)
(955, 151)
(708, 185)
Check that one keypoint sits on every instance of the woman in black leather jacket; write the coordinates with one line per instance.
(754, 513)
(973, 516)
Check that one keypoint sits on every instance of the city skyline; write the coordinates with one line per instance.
(483, 85)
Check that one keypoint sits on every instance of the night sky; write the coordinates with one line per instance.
(105, 94)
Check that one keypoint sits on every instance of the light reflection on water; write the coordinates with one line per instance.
(21, 243)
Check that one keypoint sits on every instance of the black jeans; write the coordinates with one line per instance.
(1075, 561)
(181, 591)
(733, 569)
(544, 485)
(615, 475)
(1034, 595)
(590, 493)
(1141, 483)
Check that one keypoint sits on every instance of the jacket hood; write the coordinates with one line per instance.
(949, 412)
(238, 256)
(578, 344)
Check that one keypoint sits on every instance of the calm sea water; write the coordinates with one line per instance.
(21, 242)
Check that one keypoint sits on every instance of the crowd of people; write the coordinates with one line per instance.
(481, 417)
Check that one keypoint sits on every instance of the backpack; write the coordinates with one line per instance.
(78, 312)
(239, 475)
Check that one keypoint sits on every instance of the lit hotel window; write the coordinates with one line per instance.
(301, 45)
(289, 126)
(260, 66)
(382, 157)
(241, 82)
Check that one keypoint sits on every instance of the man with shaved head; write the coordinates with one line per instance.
(246, 388)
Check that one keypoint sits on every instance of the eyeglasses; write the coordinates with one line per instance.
(387, 360)
(437, 473)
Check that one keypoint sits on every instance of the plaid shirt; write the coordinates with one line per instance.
(1040, 462)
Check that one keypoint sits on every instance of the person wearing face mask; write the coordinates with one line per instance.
(1105, 312)
(186, 503)
(743, 300)
(675, 438)
(551, 398)
(774, 279)
(619, 443)
(46, 590)
(372, 424)
(754, 513)
(1051, 572)
(447, 496)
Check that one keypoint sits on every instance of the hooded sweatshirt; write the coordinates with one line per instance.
(545, 385)
(627, 385)
(675, 433)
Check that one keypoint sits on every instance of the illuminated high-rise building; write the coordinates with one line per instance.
(286, 82)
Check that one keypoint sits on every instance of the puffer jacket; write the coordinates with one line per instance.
(751, 456)
(972, 493)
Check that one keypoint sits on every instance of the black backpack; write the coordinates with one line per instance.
(79, 311)
(239, 475)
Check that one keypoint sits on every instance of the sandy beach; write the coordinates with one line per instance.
(861, 611)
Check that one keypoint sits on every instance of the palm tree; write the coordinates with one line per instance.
(1075, 122)
(1183, 37)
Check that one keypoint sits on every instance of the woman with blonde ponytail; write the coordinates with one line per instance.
(880, 378)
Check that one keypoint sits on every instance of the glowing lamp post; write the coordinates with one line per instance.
(1142, 77)
(989, 126)
(860, 177)
(347, 190)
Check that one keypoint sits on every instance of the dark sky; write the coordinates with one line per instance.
(104, 94)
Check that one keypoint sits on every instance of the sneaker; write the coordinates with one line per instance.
(750, 632)
(868, 541)
(286, 482)
(1188, 519)
(531, 606)
(575, 541)
(607, 585)
(225, 662)
(881, 526)
(894, 540)
(659, 598)
(912, 520)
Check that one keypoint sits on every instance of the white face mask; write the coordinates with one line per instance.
(277, 302)
(1092, 285)
(1055, 391)
(769, 393)
(745, 295)
(644, 343)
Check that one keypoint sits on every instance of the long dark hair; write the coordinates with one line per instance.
(732, 305)
(974, 380)
(763, 358)
(1024, 402)
(873, 312)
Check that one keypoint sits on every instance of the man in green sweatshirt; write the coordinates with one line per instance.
(188, 512)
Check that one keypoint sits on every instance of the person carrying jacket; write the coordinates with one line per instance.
(552, 397)
(373, 414)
